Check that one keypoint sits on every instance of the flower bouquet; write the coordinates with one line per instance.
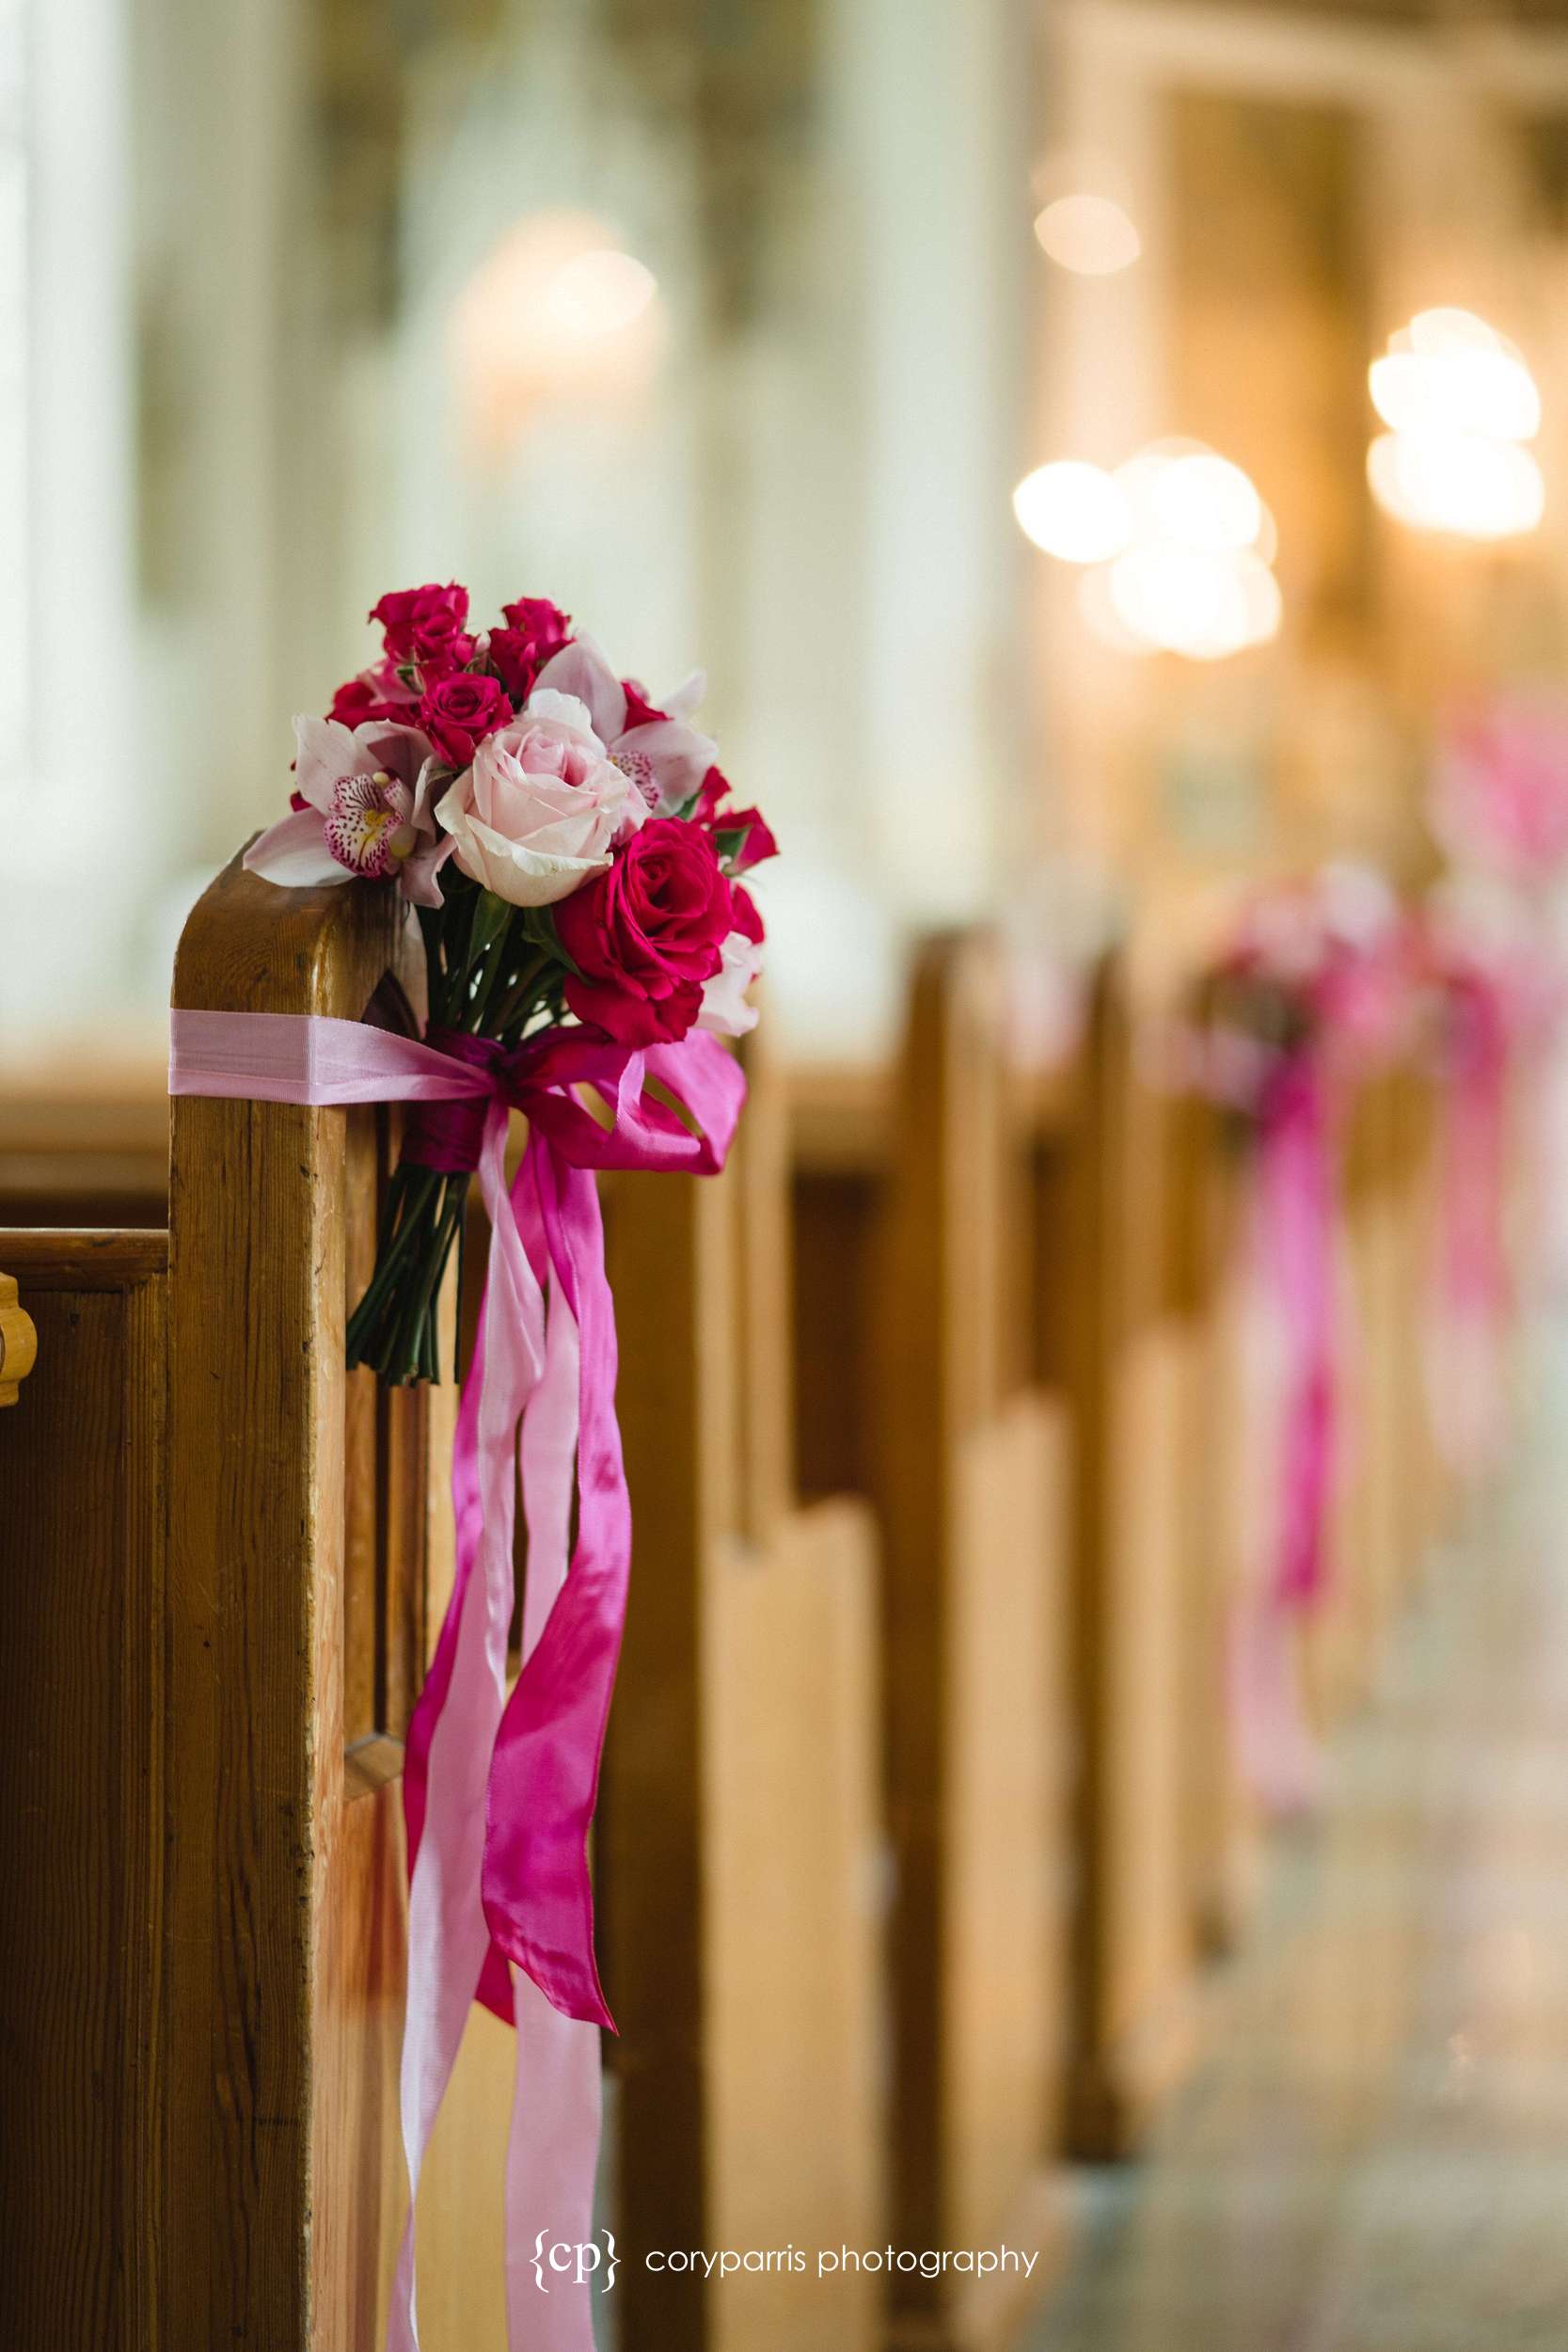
(1314, 985)
(1318, 970)
(574, 859)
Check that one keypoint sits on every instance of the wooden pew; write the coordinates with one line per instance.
(83, 1140)
(1388, 1501)
(740, 1828)
(309, 1555)
(1135, 1394)
(1208, 1277)
(261, 1574)
(81, 1767)
(235, 1549)
(911, 1294)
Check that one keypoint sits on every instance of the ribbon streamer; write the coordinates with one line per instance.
(1295, 1222)
(1466, 1374)
(498, 1791)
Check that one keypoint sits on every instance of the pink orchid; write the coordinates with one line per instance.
(665, 758)
(366, 812)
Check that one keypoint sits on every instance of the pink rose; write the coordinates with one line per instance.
(459, 712)
(541, 808)
(535, 630)
(647, 935)
(725, 1009)
(663, 754)
(427, 625)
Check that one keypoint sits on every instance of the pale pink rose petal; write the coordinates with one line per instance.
(724, 1009)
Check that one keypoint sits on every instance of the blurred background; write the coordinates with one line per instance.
(1111, 457)
(743, 331)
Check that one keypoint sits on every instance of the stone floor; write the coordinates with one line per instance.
(1373, 2154)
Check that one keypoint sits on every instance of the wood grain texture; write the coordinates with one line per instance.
(1134, 1929)
(921, 1373)
(81, 1844)
(964, 1489)
(736, 1843)
(296, 1617)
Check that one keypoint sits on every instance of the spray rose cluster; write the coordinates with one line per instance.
(571, 850)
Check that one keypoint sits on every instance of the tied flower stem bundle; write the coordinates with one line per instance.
(495, 971)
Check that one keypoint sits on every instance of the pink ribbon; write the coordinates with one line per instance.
(500, 1790)
(1472, 1272)
(1296, 1232)
(1297, 1187)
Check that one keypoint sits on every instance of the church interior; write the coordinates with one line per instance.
(797, 1579)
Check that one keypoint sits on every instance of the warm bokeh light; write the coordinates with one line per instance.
(1203, 501)
(1461, 401)
(599, 292)
(1177, 544)
(1091, 235)
(1073, 511)
(1449, 368)
(1097, 609)
(1458, 482)
(1203, 603)
(557, 309)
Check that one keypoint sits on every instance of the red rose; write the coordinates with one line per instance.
(646, 934)
(745, 917)
(426, 625)
(357, 702)
(748, 835)
(536, 629)
(458, 711)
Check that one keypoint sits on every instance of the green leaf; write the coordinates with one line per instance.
(542, 930)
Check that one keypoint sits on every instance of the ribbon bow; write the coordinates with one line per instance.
(498, 1791)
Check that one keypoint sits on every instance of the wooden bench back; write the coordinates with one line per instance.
(1129, 1368)
(309, 1554)
(915, 1334)
(278, 1536)
(82, 1500)
(739, 1832)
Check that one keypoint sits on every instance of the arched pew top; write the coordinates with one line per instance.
(248, 946)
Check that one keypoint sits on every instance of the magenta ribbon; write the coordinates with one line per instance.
(1296, 1175)
(499, 1790)
(1472, 1270)
(1295, 1211)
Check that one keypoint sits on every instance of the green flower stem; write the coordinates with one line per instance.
(490, 970)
